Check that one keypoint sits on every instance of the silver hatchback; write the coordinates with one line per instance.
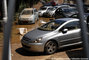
(53, 35)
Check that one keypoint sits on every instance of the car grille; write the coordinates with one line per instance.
(24, 18)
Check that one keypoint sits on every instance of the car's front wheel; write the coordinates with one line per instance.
(50, 47)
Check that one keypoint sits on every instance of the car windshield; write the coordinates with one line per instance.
(43, 8)
(51, 9)
(51, 26)
(27, 12)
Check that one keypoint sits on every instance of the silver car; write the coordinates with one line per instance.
(43, 9)
(53, 35)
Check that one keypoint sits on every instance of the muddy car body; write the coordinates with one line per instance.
(28, 15)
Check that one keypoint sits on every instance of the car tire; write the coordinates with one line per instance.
(50, 47)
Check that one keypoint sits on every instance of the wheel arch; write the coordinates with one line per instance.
(53, 41)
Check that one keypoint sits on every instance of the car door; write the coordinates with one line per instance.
(71, 36)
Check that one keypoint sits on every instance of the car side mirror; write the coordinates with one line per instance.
(64, 31)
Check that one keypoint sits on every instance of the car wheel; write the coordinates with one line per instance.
(50, 47)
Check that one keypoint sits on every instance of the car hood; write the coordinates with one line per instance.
(34, 34)
(25, 16)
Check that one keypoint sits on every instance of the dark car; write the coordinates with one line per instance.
(85, 6)
(86, 16)
(65, 12)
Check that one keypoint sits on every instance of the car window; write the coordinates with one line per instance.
(51, 26)
(27, 12)
(72, 25)
(69, 10)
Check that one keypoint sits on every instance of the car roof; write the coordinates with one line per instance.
(67, 19)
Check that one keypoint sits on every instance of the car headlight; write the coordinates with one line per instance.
(38, 40)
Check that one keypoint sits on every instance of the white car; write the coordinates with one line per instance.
(28, 15)
(43, 9)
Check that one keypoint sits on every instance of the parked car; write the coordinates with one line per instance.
(77, 15)
(53, 35)
(43, 9)
(65, 12)
(28, 15)
(51, 11)
(86, 16)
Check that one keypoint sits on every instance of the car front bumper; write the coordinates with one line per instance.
(35, 47)
(26, 21)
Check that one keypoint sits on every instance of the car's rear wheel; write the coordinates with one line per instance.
(50, 47)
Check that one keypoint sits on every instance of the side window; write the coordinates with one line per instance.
(72, 25)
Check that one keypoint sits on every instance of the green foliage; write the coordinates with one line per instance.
(21, 4)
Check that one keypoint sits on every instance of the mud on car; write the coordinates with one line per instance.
(28, 15)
